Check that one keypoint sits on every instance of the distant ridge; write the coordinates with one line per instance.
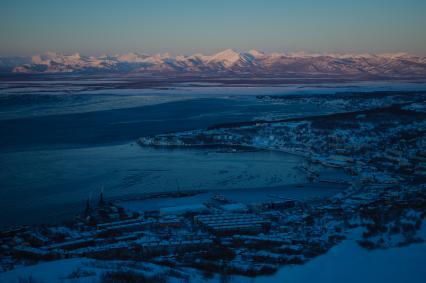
(230, 62)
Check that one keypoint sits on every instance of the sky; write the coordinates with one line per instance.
(199, 26)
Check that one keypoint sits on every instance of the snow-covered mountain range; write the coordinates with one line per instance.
(226, 62)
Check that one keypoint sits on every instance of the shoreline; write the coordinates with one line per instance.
(188, 193)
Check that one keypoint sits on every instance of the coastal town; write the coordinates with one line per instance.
(377, 144)
(223, 236)
(380, 158)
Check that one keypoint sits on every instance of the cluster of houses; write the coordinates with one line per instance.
(384, 146)
(269, 234)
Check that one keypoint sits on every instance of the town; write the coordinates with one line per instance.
(221, 236)
(380, 158)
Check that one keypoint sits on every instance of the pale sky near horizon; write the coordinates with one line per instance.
(200, 26)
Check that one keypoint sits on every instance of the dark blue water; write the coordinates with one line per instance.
(127, 124)
(52, 185)
(52, 164)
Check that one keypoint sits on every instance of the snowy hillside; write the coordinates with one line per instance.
(228, 61)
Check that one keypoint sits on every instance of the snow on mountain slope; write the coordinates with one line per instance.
(255, 53)
(228, 61)
(227, 58)
(132, 57)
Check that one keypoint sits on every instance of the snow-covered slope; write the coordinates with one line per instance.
(228, 62)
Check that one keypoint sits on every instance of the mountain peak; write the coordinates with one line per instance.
(255, 53)
(228, 51)
(131, 57)
(228, 57)
(396, 55)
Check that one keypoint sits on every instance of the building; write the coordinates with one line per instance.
(183, 209)
(229, 224)
(126, 225)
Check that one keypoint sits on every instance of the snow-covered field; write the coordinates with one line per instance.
(348, 262)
